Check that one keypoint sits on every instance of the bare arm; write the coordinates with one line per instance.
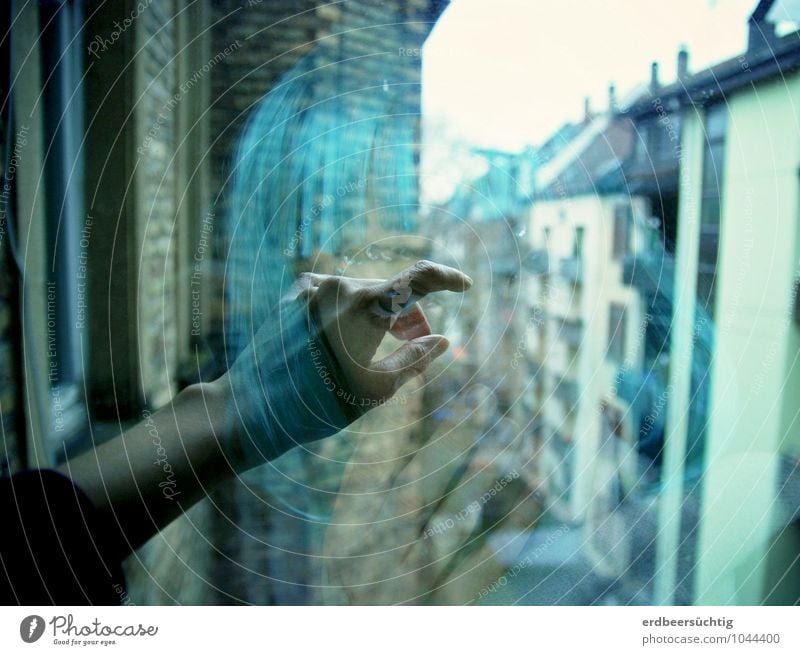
(150, 474)
(157, 469)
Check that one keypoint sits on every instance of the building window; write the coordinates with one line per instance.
(616, 333)
(577, 246)
(622, 229)
(642, 150)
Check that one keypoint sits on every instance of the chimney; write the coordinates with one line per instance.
(612, 98)
(654, 84)
(587, 110)
(683, 63)
(760, 32)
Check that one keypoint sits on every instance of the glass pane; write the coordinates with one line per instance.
(603, 413)
(530, 446)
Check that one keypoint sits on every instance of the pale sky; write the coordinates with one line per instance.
(503, 73)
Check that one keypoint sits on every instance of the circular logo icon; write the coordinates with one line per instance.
(31, 628)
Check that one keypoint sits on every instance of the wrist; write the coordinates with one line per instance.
(279, 393)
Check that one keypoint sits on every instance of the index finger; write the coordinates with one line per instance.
(415, 282)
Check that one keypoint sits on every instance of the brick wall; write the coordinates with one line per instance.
(157, 117)
(173, 566)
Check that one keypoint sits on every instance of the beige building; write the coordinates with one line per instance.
(583, 317)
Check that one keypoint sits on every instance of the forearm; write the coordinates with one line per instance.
(292, 385)
(157, 469)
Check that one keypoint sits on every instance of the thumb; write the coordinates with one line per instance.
(408, 361)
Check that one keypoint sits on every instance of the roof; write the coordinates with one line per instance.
(598, 168)
(706, 86)
(591, 161)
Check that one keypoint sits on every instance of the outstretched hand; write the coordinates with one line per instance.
(355, 315)
(270, 400)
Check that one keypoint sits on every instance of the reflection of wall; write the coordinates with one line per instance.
(368, 36)
(352, 71)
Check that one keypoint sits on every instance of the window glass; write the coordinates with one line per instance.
(616, 332)
(614, 419)
(622, 221)
(577, 405)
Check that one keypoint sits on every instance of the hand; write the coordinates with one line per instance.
(309, 371)
(354, 316)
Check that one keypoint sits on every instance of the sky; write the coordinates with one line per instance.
(506, 73)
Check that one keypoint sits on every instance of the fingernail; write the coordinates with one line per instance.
(433, 343)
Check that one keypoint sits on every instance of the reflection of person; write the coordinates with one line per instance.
(66, 531)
